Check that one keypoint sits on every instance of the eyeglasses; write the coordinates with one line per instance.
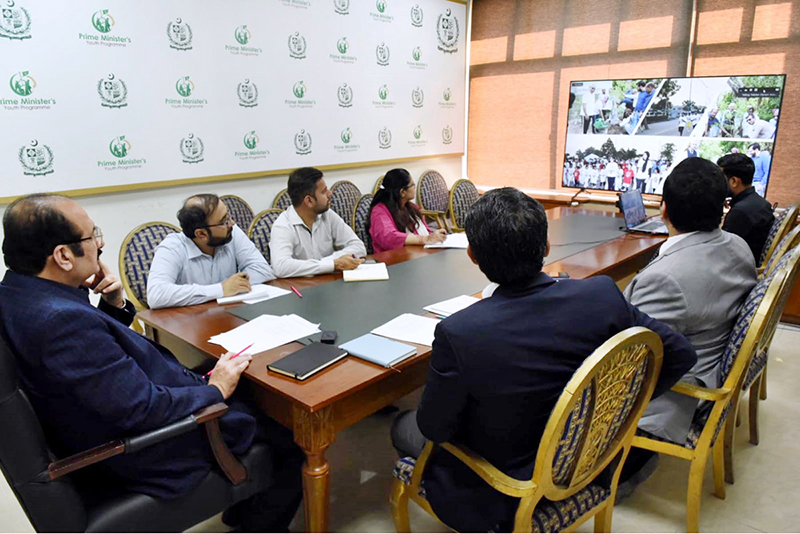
(97, 235)
(409, 186)
(226, 221)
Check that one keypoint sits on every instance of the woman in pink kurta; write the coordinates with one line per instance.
(395, 221)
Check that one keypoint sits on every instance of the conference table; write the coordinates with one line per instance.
(584, 243)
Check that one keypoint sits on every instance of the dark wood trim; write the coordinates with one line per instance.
(211, 412)
(59, 468)
(229, 464)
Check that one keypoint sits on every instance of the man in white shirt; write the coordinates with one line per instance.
(309, 239)
(589, 108)
(756, 128)
(212, 258)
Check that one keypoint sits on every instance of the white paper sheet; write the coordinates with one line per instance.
(265, 332)
(409, 327)
(458, 240)
(257, 293)
(446, 308)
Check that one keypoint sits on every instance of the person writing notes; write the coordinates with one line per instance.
(395, 221)
(212, 258)
(309, 239)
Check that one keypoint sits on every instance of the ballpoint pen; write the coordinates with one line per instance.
(232, 357)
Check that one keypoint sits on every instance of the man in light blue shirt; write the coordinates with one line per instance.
(212, 258)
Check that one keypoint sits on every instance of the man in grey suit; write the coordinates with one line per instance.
(697, 285)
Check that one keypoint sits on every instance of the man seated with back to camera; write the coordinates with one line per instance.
(211, 258)
(499, 366)
(91, 379)
(309, 238)
(697, 285)
(750, 216)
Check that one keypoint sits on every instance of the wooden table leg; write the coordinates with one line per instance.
(313, 432)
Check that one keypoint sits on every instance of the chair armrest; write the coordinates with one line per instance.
(208, 416)
(489, 473)
(699, 392)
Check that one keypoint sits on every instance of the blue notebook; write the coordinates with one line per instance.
(379, 350)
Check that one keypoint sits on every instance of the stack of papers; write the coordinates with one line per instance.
(409, 327)
(265, 332)
(257, 293)
(367, 272)
(452, 241)
(446, 308)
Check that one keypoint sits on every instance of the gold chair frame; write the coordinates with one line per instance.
(439, 216)
(788, 223)
(278, 197)
(451, 211)
(602, 371)
(256, 218)
(377, 185)
(758, 337)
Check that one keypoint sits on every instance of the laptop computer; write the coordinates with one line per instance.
(636, 220)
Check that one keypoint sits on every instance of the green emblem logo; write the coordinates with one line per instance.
(385, 138)
(192, 149)
(416, 53)
(345, 94)
(342, 45)
(346, 136)
(22, 83)
(299, 89)
(36, 159)
(302, 143)
(447, 135)
(446, 95)
(119, 146)
(383, 92)
(342, 7)
(251, 140)
(447, 32)
(15, 22)
(248, 94)
(382, 54)
(184, 86)
(381, 5)
(179, 34)
(418, 132)
(417, 97)
(297, 46)
(242, 35)
(102, 21)
(113, 92)
(416, 16)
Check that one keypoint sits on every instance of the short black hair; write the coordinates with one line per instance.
(195, 211)
(694, 194)
(507, 232)
(303, 182)
(739, 166)
(33, 227)
(755, 145)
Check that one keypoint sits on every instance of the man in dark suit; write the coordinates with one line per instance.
(91, 379)
(499, 366)
(750, 216)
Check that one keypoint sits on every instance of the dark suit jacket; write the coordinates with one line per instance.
(91, 379)
(751, 218)
(497, 370)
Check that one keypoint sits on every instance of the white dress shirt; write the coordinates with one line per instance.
(297, 250)
(674, 240)
(182, 274)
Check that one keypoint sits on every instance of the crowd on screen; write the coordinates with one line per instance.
(617, 174)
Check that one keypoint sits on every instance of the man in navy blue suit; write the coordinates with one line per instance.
(91, 379)
(499, 366)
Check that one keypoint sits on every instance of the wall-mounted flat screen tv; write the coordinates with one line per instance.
(629, 134)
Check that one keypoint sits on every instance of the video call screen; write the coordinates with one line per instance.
(630, 134)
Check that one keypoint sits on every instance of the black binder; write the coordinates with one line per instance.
(308, 360)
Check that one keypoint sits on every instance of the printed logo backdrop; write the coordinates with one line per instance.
(121, 93)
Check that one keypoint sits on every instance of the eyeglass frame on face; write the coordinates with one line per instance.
(97, 235)
(226, 221)
(412, 184)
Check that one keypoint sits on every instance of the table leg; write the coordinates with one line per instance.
(313, 432)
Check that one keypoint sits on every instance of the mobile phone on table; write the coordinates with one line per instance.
(561, 275)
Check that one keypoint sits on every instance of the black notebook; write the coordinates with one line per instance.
(308, 360)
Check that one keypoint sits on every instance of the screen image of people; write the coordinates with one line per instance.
(629, 134)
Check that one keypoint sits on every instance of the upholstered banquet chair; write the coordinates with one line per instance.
(378, 184)
(136, 255)
(359, 221)
(782, 225)
(282, 200)
(432, 197)
(261, 229)
(751, 334)
(590, 428)
(344, 197)
(239, 210)
(463, 195)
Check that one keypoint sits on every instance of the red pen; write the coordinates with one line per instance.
(232, 357)
(296, 292)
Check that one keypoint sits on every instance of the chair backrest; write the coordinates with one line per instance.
(136, 255)
(432, 193)
(261, 229)
(462, 196)
(344, 197)
(360, 219)
(282, 201)
(791, 240)
(378, 185)
(783, 223)
(24, 456)
(596, 416)
(239, 210)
